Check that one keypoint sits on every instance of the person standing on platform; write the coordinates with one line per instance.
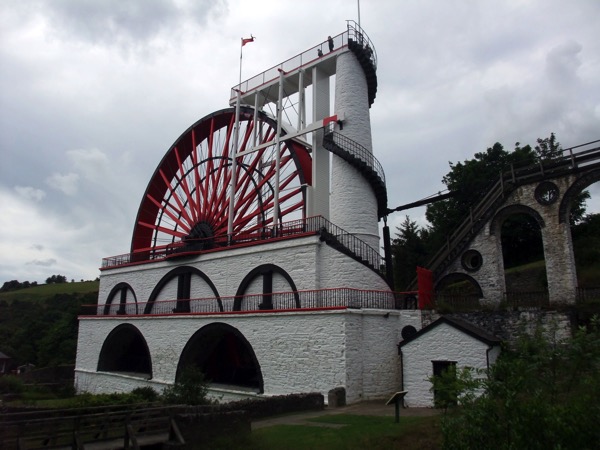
(330, 42)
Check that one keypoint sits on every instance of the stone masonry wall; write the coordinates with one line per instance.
(297, 352)
(557, 242)
(311, 264)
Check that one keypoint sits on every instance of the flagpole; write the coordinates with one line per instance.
(236, 131)
(241, 51)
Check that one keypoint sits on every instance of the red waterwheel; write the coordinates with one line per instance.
(188, 198)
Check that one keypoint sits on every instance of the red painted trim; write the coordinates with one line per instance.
(330, 119)
(214, 250)
(228, 313)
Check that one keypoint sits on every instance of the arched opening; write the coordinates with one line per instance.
(224, 356)
(184, 289)
(523, 256)
(125, 351)
(519, 229)
(457, 292)
(585, 230)
(257, 288)
(121, 300)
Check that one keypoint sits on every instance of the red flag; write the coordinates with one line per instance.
(247, 40)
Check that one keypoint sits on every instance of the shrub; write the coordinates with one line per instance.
(145, 394)
(543, 393)
(191, 388)
(10, 384)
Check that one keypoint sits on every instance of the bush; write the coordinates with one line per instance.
(138, 395)
(191, 388)
(10, 384)
(543, 393)
(145, 394)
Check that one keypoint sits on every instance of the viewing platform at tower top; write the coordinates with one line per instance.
(265, 84)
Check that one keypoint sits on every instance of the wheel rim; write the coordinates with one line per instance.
(187, 199)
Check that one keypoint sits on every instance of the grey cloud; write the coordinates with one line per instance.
(30, 193)
(562, 63)
(64, 183)
(44, 262)
(124, 23)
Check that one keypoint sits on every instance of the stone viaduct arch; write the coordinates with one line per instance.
(547, 200)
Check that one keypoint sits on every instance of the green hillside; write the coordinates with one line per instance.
(38, 325)
(44, 291)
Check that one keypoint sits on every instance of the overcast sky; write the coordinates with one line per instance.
(94, 92)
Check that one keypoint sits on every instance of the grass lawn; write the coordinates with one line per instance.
(337, 432)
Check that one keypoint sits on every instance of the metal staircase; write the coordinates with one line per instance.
(362, 47)
(585, 160)
(363, 160)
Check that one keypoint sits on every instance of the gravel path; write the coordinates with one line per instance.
(371, 408)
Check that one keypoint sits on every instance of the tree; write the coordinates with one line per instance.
(14, 285)
(542, 393)
(408, 252)
(548, 148)
(469, 180)
(56, 279)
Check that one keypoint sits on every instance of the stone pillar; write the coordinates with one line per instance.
(318, 194)
(560, 261)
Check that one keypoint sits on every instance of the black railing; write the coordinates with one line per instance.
(332, 234)
(456, 302)
(506, 183)
(350, 244)
(280, 301)
(363, 160)
(525, 299)
(355, 150)
(588, 294)
(358, 35)
(362, 47)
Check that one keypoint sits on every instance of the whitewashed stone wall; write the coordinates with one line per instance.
(353, 204)
(311, 264)
(442, 343)
(297, 352)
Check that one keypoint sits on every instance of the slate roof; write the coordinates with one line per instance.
(459, 324)
(3, 356)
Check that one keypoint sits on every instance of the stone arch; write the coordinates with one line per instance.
(184, 276)
(536, 239)
(122, 289)
(265, 271)
(504, 213)
(224, 355)
(456, 277)
(125, 351)
(574, 190)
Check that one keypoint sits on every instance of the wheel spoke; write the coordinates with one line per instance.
(181, 209)
(189, 194)
(186, 189)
